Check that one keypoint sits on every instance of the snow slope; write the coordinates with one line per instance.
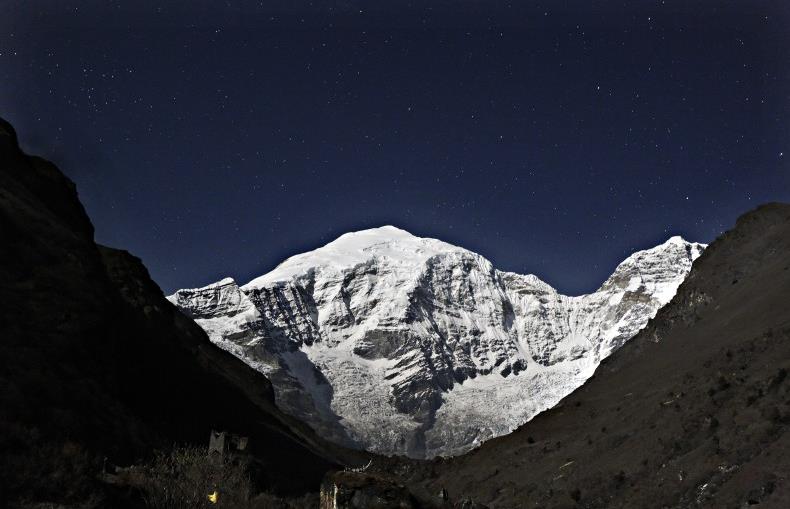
(407, 345)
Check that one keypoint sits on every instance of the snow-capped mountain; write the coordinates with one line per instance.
(407, 345)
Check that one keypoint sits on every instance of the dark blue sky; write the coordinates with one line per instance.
(554, 138)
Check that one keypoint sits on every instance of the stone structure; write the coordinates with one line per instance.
(221, 443)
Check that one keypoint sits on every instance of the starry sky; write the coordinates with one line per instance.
(216, 139)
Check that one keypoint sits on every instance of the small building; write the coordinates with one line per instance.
(221, 443)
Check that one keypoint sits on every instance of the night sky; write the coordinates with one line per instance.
(553, 138)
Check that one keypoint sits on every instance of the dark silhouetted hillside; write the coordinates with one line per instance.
(95, 363)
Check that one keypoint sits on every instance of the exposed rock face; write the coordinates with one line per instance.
(407, 345)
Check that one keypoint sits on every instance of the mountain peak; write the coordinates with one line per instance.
(386, 233)
(222, 282)
(676, 239)
(673, 244)
(385, 243)
(413, 336)
(387, 228)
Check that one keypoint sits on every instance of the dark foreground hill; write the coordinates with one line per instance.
(692, 412)
(95, 363)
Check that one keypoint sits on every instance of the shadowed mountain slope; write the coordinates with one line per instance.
(95, 362)
(692, 412)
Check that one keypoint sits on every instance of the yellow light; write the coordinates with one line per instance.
(213, 497)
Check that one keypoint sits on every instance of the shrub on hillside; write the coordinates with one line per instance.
(185, 477)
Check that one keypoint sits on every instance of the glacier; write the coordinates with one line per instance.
(405, 345)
